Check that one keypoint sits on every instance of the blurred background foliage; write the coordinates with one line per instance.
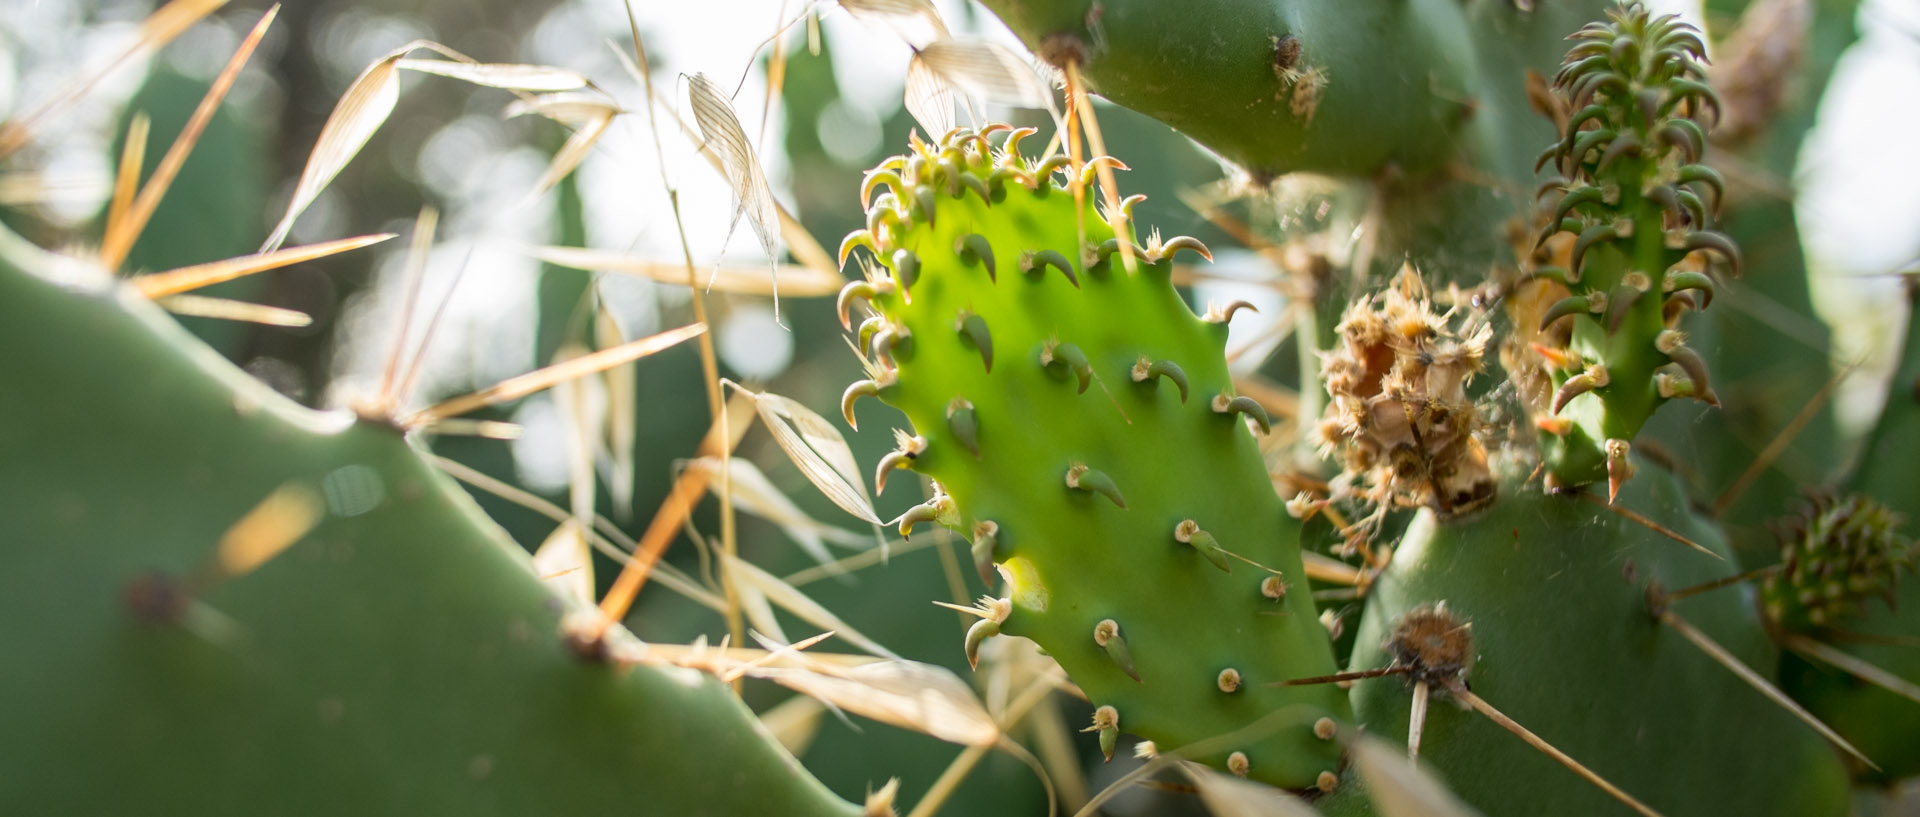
(837, 113)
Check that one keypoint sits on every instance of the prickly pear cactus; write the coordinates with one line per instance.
(1636, 202)
(1079, 424)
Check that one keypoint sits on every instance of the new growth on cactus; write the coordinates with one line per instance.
(1631, 219)
(1078, 422)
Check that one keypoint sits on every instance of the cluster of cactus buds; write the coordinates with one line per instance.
(1834, 556)
(1078, 423)
(1632, 194)
(1400, 415)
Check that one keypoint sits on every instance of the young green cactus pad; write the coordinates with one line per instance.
(1834, 557)
(1080, 425)
(1554, 592)
(1634, 197)
(166, 655)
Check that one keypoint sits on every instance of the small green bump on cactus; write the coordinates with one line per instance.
(1106, 635)
(985, 545)
(1090, 172)
(1188, 532)
(1146, 370)
(1689, 280)
(1834, 556)
(974, 329)
(1230, 405)
(1036, 262)
(975, 249)
(964, 425)
(976, 635)
(1066, 358)
(869, 328)
(1673, 344)
(1563, 308)
(1082, 478)
(1106, 721)
(906, 270)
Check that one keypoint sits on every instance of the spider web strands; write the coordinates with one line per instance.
(1651, 525)
(1780, 442)
(1460, 691)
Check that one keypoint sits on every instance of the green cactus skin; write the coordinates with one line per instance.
(1104, 421)
(1881, 723)
(1637, 200)
(402, 659)
(1347, 89)
(1555, 590)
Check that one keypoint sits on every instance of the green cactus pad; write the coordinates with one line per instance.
(401, 657)
(1635, 202)
(1555, 592)
(1104, 422)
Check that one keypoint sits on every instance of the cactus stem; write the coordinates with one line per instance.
(974, 329)
(1188, 532)
(1107, 635)
(1106, 721)
(1225, 404)
(1238, 764)
(1594, 377)
(1228, 680)
(1588, 237)
(1145, 370)
(1036, 263)
(859, 389)
(986, 539)
(1082, 478)
(963, 424)
(1619, 467)
(975, 249)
